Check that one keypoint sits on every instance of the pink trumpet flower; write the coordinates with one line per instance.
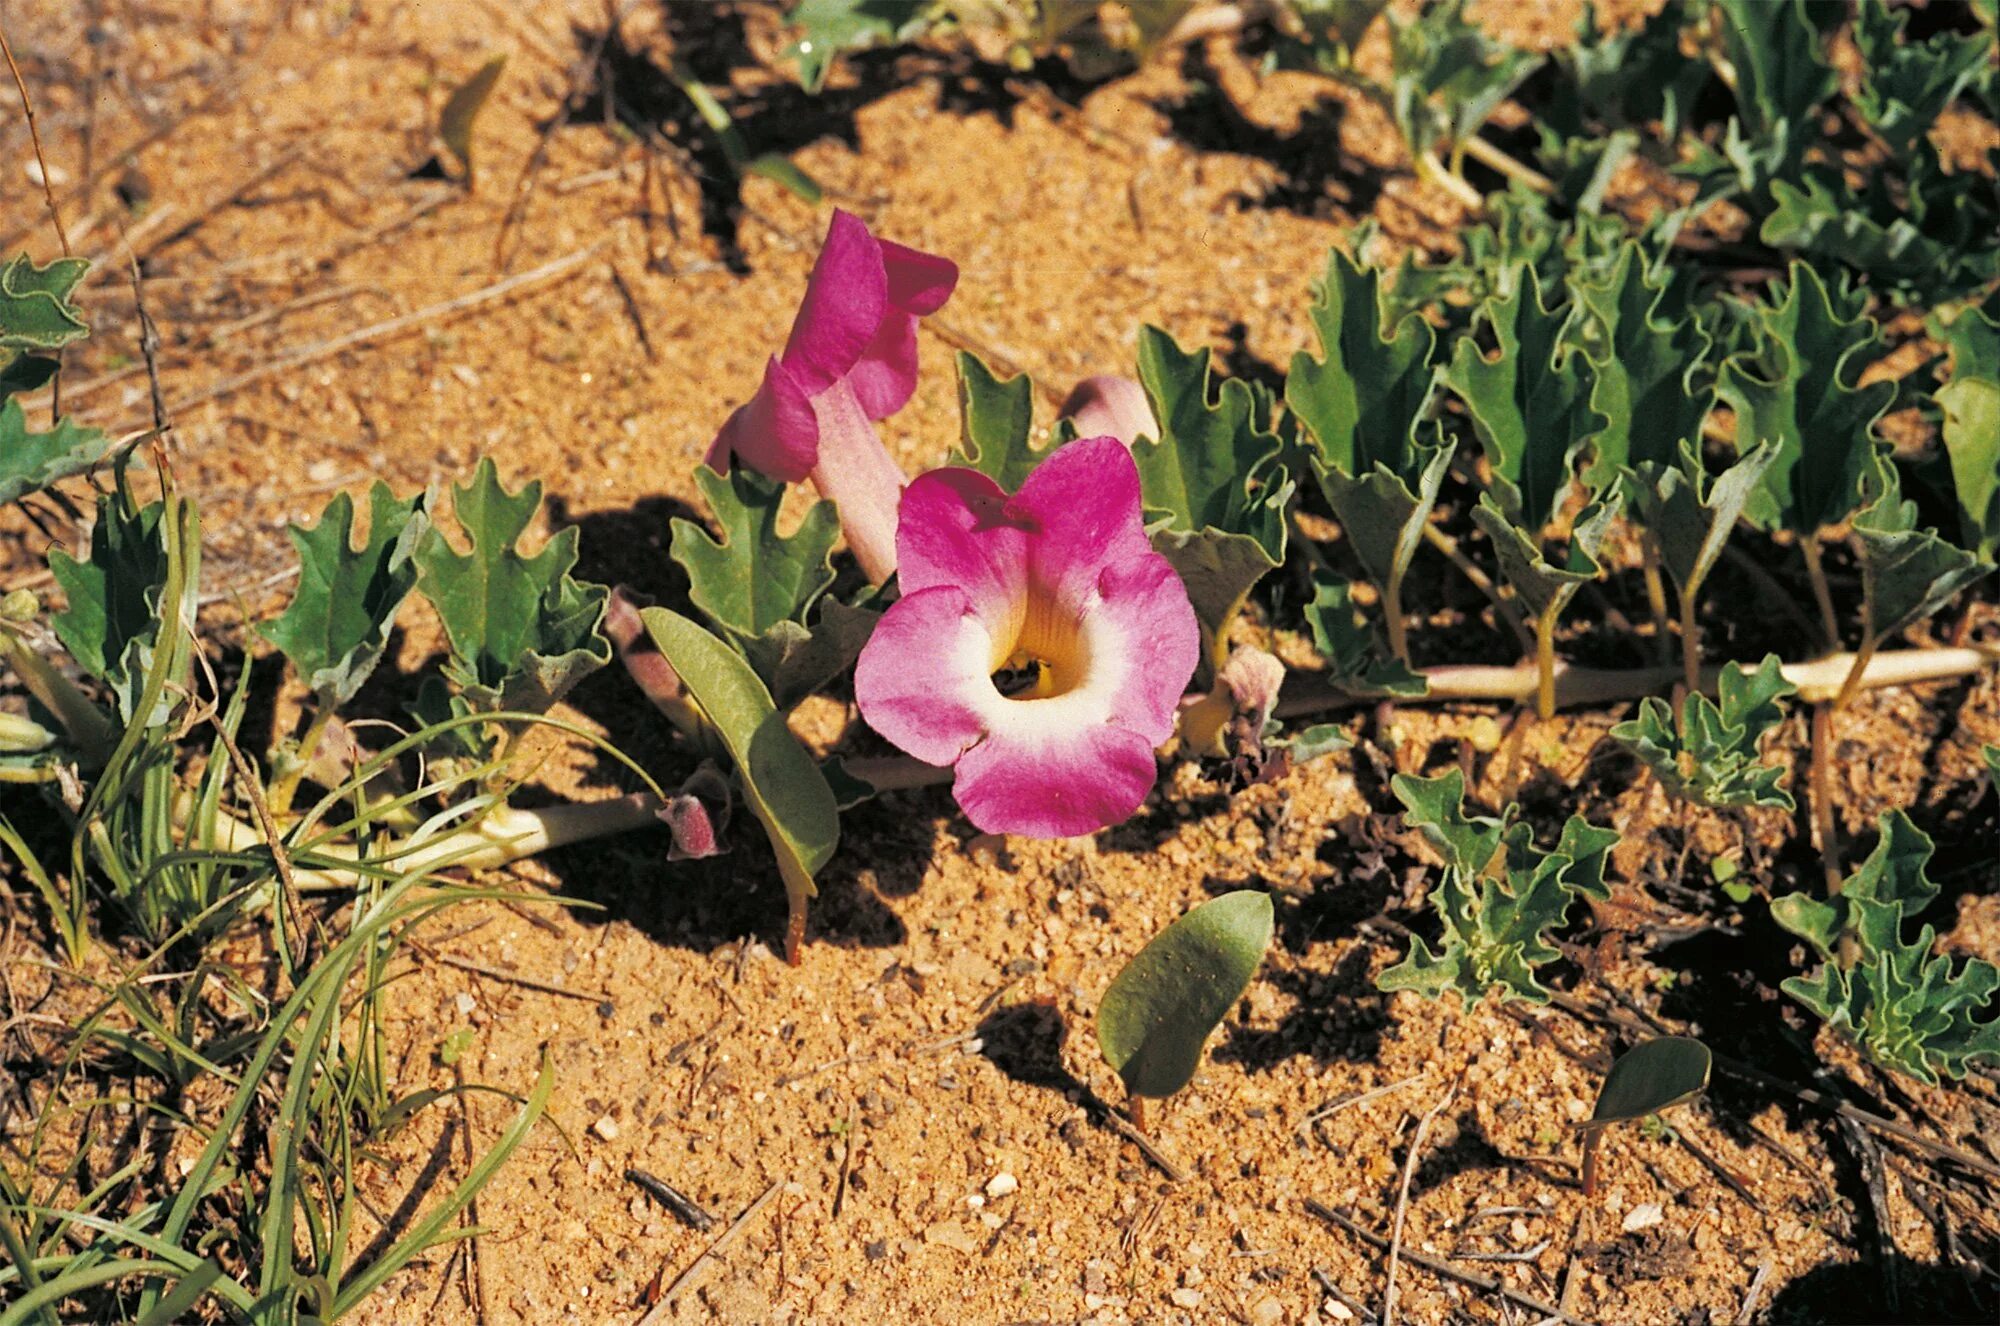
(1110, 406)
(1058, 585)
(851, 359)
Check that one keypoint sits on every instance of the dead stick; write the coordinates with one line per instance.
(1439, 1266)
(1123, 1127)
(511, 978)
(312, 354)
(35, 137)
(1403, 1195)
(687, 1279)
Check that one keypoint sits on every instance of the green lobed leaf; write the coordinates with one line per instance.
(1922, 250)
(1647, 370)
(1971, 405)
(1211, 466)
(1653, 1075)
(1545, 587)
(118, 598)
(1626, 77)
(1905, 84)
(1691, 515)
(1357, 660)
(997, 421)
(1781, 69)
(828, 27)
(35, 309)
(30, 462)
(1712, 758)
(522, 630)
(782, 784)
(1360, 403)
(1499, 898)
(754, 578)
(1448, 76)
(1159, 1012)
(1530, 402)
(796, 660)
(337, 625)
(1798, 390)
(1905, 1006)
(1382, 515)
(1906, 573)
(461, 111)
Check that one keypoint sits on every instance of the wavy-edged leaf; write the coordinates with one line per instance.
(1499, 899)
(35, 309)
(1543, 585)
(30, 462)
(782, 783)
(1798, 390)
(1647, 370)
(1360, 402)
(118, 598)
(1448, 76)
(754, 578)
(1211, 466)
(1159, 1012)
(1530, 402)
(522, 629)
(1923, 249)
(1907, 1007)
(1971, 405)
(1906, 573)
(338, 623)
(828, 27)
(1357, 660)
(1781, 69)
(1690, 514)
(997, 424)
(1653, 1075)
(1906, 84)
(1383, 515)
(1713, 758)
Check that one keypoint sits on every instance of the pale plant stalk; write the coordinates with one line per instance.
(1545, 665)
(1656, 593)
(1822, 595)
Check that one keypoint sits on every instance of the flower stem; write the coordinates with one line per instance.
(1690, 637)
(286, 785)
(1431, 169)
(1392, 615)
(1815, 572)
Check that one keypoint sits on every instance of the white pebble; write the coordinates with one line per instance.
(1001, 1185)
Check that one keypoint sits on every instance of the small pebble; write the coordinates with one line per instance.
(1643, 1216)
(1001, 1185)
(606, 1128)
(1338, 1310)
(1186, 1298)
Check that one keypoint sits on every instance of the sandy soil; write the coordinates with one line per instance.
(921, 1098)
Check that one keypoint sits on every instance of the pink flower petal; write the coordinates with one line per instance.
(1144, 606)
(955, 530)
(1110, 406)
(885, 376)
(1082, 505)
(846, 299)
(1054, 785)
(775, 432)
(855, 472)
(919, 282)
(924, 676)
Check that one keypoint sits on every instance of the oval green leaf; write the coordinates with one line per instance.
(1649, 1077)
(1161, 1010)
(781, 783)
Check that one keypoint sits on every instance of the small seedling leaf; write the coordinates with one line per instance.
(30, 462)
(118, 598)
(340, 617)
(1651, 1076)
(461, 112)
(1161, 1009)
(998, 421)
(1712, 758)
(1357, 660)
(522, 630)
(754, 578)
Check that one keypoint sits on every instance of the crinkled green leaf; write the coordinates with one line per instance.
(1798, 390)
(1499, 898)
(1382, 516)
(30, 462)
(1211, 467)
(1907, 1007)
(754, 578)
(119, 598)
(782, 784)
(828, 27)
(1219, 570)
(1782, 74)
(1448, 76)
(1905, 84)
(1530, 402)
(1357, 660)
(1625, 77)
(461, 111)
(35, 309)
(997, 419)
(522, 629)
(1653, 1075)
(338, 622)
(1159, 1012)
(797, 660)
(1689, 514)
(1923, 249)
(1712, 758)
(1544, 586)
(1971, 405)
(1647, 370)
(1360, 403)
(1906, 573)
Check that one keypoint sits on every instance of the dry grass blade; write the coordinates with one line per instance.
(1403, 1194)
